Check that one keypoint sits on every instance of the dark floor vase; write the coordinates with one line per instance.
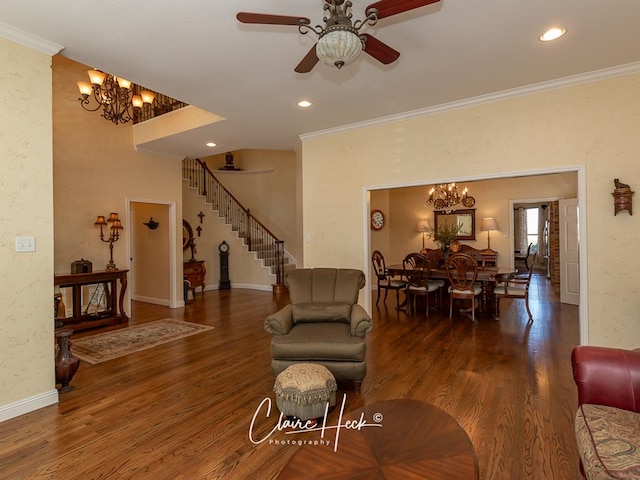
(66, 363)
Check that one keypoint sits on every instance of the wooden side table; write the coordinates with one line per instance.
(114, 312)
(415, 440)
(194, 272)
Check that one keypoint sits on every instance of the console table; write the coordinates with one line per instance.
(194, 272)
(114, 313)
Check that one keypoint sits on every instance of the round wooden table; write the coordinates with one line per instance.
(415, 440)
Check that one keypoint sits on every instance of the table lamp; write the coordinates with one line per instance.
(113, 236)
(488, 224)
(423, 227)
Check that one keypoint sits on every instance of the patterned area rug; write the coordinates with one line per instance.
(105, 346)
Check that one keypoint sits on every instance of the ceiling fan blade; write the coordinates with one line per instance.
(308, 62)
(267, 19)
(379, 50)
(386, 8)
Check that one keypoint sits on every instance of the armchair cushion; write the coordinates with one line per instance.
(319, 341)
(608, 440)
(321, 312)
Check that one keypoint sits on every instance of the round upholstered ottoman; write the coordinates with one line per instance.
(303, 390)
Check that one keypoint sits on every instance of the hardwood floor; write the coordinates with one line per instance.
(182, 410)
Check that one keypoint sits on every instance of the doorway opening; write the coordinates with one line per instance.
(152, 252)
(404, 214)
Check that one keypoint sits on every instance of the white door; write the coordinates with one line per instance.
(569, 261)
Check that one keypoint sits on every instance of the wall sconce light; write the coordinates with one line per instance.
(622, 197)
(152, 224)
(423, 227)
(114, 235)
(487, 225)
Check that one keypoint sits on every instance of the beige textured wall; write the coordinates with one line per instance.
(593, 125)
(26, 193)
(407, 205)
(96, 170)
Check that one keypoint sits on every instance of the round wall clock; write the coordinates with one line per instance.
(377, 220)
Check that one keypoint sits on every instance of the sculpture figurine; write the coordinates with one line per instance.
(619, 184)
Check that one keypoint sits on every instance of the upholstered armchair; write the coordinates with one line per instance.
(608, 416)
(323, 324)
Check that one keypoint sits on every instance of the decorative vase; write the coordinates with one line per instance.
(445, 254)
(58, 310)
(66, 362)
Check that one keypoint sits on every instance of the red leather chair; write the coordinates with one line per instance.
(608, 381)
(607, 376)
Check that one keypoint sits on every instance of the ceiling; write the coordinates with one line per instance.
(196, 51)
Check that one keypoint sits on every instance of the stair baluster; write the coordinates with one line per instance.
(257, 237)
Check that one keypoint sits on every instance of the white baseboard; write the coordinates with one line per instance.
(27, 405)
(248, 286)
(156, 301)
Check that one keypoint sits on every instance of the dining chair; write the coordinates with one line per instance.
(385, 281)
(474, 253)
(416, 272)
(462, 270)
(515, 286)
(523, 257)
(435, 256)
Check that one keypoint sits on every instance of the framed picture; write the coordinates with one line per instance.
(465, 219)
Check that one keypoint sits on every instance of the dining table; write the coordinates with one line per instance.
(488, 275)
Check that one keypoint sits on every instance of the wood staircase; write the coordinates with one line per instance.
(256, 237)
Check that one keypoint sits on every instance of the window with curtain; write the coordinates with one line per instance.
(532, 227)
(520, 227)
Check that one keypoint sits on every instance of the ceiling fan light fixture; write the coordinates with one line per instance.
(339, 46)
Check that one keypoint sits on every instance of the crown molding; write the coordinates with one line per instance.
(20, 36)
(594, 76)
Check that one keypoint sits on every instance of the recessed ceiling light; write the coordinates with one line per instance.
(304, 103)
(211, 144)
(552, 34)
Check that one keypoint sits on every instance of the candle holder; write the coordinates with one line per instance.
(114, 235)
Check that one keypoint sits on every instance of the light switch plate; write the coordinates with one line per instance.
(25, 244)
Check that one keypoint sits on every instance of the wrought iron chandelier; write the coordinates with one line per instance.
(445, 196)
(116, 96)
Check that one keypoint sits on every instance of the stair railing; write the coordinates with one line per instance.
(258, 238)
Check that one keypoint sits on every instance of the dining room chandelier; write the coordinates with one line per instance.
(118, 98)
(445, 196)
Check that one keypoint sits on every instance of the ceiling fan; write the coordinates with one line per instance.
(340, 40)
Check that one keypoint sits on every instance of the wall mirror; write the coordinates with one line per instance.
(187, 234)
(465, 218)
